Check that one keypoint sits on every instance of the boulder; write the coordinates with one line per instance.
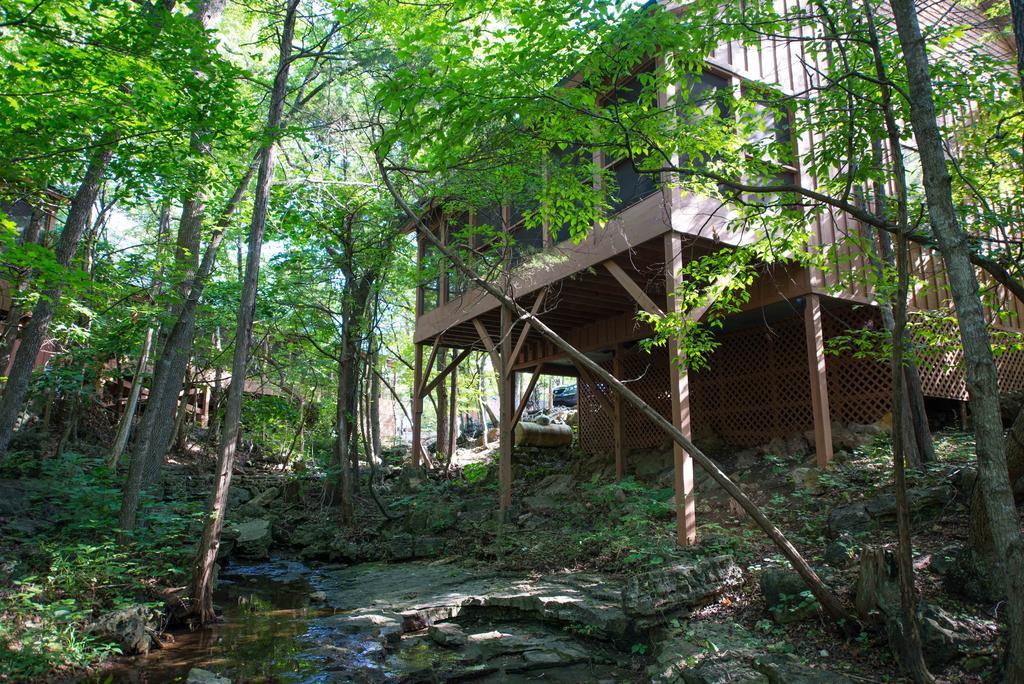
(257, 506)
(237, 496)
(805, 478)
(745, 460)
(796, 445)
(540, 504)
(409, 546)
(850, 437)
(943, 637)
(880, 511)
(681, 585)
(786, 596)
(15, 497)
(254, 538)
(559, 485)
(133, 629)
(447, 634)
(648, 464)
(776, 447)
(199, 676)
(841, 552)
(264, 497)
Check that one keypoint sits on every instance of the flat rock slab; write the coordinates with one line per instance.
(412, 596)
(680, 585)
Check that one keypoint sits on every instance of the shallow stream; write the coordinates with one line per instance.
(275, 630)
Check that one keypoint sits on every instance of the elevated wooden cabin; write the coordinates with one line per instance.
(770, 377)
(34, 218)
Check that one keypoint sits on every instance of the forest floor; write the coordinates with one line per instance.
(61, 569)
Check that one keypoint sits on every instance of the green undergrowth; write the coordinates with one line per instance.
(61, 565)
(629, 526)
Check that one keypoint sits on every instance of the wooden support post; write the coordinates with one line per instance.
(505, 390)
(453, 426)
(679, 389)
(526, 397)
(619, 417)
(819, 383)
(417, 406)
(204, 417)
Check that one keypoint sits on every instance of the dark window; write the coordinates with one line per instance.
(430, 277)
(460, 238)
(772, 125)
(491, 216)
(20, 212)
(630, 90)
(710, 92)
(631, 186)
(773, 199)
(526, 242)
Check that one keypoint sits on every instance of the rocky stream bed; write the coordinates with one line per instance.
(285, 621)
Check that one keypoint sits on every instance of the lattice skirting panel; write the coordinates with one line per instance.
(646, 374)
(942, 374)
(756, 385)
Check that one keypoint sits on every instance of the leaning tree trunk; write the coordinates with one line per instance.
(213, 425)
(201, 591)
(124, 428)
(982, 385)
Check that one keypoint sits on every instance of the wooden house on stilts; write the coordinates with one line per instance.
(769, 377)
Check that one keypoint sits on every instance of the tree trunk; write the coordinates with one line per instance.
(453, 426)
(374, 408)
(441, 434)
(34, 335)
(154, 432)
(825, 597)
(341, 485)
(923, 448)
(201, 590)
(213, 425)
(483, 402)
(124, 428)
(979, 363)
(903, 438)
(178, 434)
